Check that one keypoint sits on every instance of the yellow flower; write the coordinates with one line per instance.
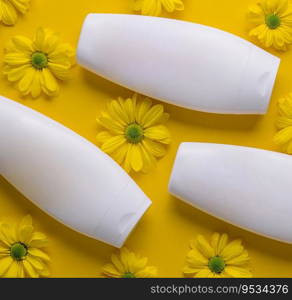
(9, 10)
(37, 64)
(219, 258)
(284, 124)
(135, 135)
(129, 265)
(273, 23)
(154, 7)
(20, 251)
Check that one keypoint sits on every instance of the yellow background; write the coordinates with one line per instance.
(164, 232)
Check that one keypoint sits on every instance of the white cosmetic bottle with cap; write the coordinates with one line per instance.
(182, 63)
(67, 176)
(246, 187)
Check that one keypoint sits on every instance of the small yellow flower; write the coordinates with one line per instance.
(135, 135)
(9, 10)
(284, 124)
(217, 259)
(20, 251)
(37, 64)
(154, 7)
(273, 23)
(129, 265)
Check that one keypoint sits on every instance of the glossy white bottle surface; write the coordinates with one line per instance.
(182, 63)
(67, 176)
(246, 187)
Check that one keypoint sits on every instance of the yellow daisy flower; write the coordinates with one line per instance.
(135, 135)
(9, 10)
(20, 251)
(273, 23)
(129, 265)
(217, 258)
(284, 124)
(37, 64)
(154, 7)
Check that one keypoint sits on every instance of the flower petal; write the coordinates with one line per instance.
(237, 272)
(38, 253)
(36, 85)
(5, 264)
(12, 271)
(130, 108)
(113, 143)
(7, 235)
(103, 136)
(49, 81)
(204, 247)
(62, 72)
(151, 8)
(152, 116)
(110, 124)
(283, 136)
(38, 240)
(127, 162)
(159, 133)
(39, 39)
(117, 263)
(136, 158)
(149, 161)
(25, 234)
(283, 122)
(222, 243)
(147, 272)
(120, 154)
(155, 148)
(15, 74)
(239, 260)
(16, 59)
(116, 110)
(110, 271)
(23, 44)
(36, 263)
(232, 250)
(142, 108)
(29, 270)
(196, 259)
(8, 14)
(204, 273)
(24, 84)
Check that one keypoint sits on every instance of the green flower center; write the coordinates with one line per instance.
(129, 275)
(39, 60)
(18, 251)
(216, 264)
(134, 133)
(273, 21)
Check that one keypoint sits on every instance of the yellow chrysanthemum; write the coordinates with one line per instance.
(37, 64)
(129, 265)
(154, 7)
(273, 21)
(20, 251)
(9, 10)
(219, 258)
(135, 135)
(284, 124)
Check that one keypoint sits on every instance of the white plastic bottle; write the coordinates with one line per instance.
(182, 63)
(67, 176)
(246, 187)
